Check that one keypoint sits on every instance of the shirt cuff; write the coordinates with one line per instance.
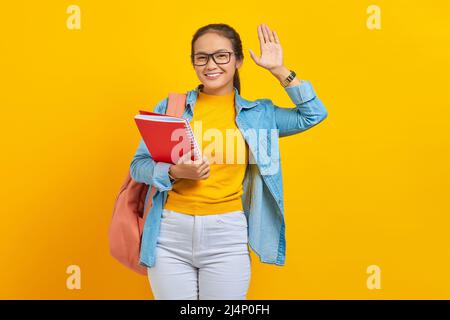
(301, 93)
(161, 178)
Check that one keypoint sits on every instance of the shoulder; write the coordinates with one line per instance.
(255, 105)
(264, 102)
(263, 105)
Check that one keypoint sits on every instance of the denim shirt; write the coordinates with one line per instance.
(262, 124)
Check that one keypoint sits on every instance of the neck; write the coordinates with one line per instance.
(229, 88)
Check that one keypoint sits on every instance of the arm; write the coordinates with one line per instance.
(144, 169)
(309, 110)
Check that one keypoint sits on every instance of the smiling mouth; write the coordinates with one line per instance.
(213, 75)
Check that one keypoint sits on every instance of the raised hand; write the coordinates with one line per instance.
(271, 51)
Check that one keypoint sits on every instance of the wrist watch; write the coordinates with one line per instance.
(288, 80)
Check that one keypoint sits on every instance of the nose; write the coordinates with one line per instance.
(211, 65)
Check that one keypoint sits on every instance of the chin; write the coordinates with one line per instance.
(214, 85)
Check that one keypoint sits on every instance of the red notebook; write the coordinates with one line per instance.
(167, 138)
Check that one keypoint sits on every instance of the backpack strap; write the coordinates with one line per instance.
(176, 104)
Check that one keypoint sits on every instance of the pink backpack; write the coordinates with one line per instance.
(128, 218)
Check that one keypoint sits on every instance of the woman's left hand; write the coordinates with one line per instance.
(271, 51)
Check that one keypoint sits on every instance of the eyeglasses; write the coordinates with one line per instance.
(221, 57)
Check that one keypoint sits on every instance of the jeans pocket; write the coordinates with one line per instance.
(234, 219)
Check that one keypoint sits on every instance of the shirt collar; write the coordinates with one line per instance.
(240, 103)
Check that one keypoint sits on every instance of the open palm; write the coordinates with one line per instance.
(271, 51)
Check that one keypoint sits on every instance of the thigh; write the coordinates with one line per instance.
(225, 265)
(172, 278)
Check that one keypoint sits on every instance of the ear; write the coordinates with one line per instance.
(238, 63)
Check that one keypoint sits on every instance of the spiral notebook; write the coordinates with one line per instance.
(167, 138)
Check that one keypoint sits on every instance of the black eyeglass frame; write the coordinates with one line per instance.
(209, 55)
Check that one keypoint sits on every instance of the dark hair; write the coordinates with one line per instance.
(227, 32)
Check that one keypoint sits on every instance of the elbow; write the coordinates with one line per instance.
(136, 170)
(319, 114)
(141, 169)
(316, 119)
(323, 115)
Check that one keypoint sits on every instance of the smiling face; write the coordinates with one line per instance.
(217, 79)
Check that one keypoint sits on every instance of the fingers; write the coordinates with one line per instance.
(266, 35)
(254, 57)
(204, 171)
(200, 166)
(206, 175)
(276, 37)
(269, 33)
(260, 35)
(203, 166)
(201, 160)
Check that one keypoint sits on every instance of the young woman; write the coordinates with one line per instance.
(204, 214)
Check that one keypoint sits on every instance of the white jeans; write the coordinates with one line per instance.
(202, 257)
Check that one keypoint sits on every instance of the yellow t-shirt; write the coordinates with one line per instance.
(221, 141)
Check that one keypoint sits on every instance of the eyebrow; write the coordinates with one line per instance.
(212, 52)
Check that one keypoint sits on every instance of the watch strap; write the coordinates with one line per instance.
(289, 78)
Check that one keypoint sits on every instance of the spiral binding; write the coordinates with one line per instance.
(190, 134)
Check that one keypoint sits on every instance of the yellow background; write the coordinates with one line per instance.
(368, 186)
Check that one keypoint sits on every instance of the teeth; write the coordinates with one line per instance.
(213, 75)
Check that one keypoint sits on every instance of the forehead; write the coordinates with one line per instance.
(211, 42)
